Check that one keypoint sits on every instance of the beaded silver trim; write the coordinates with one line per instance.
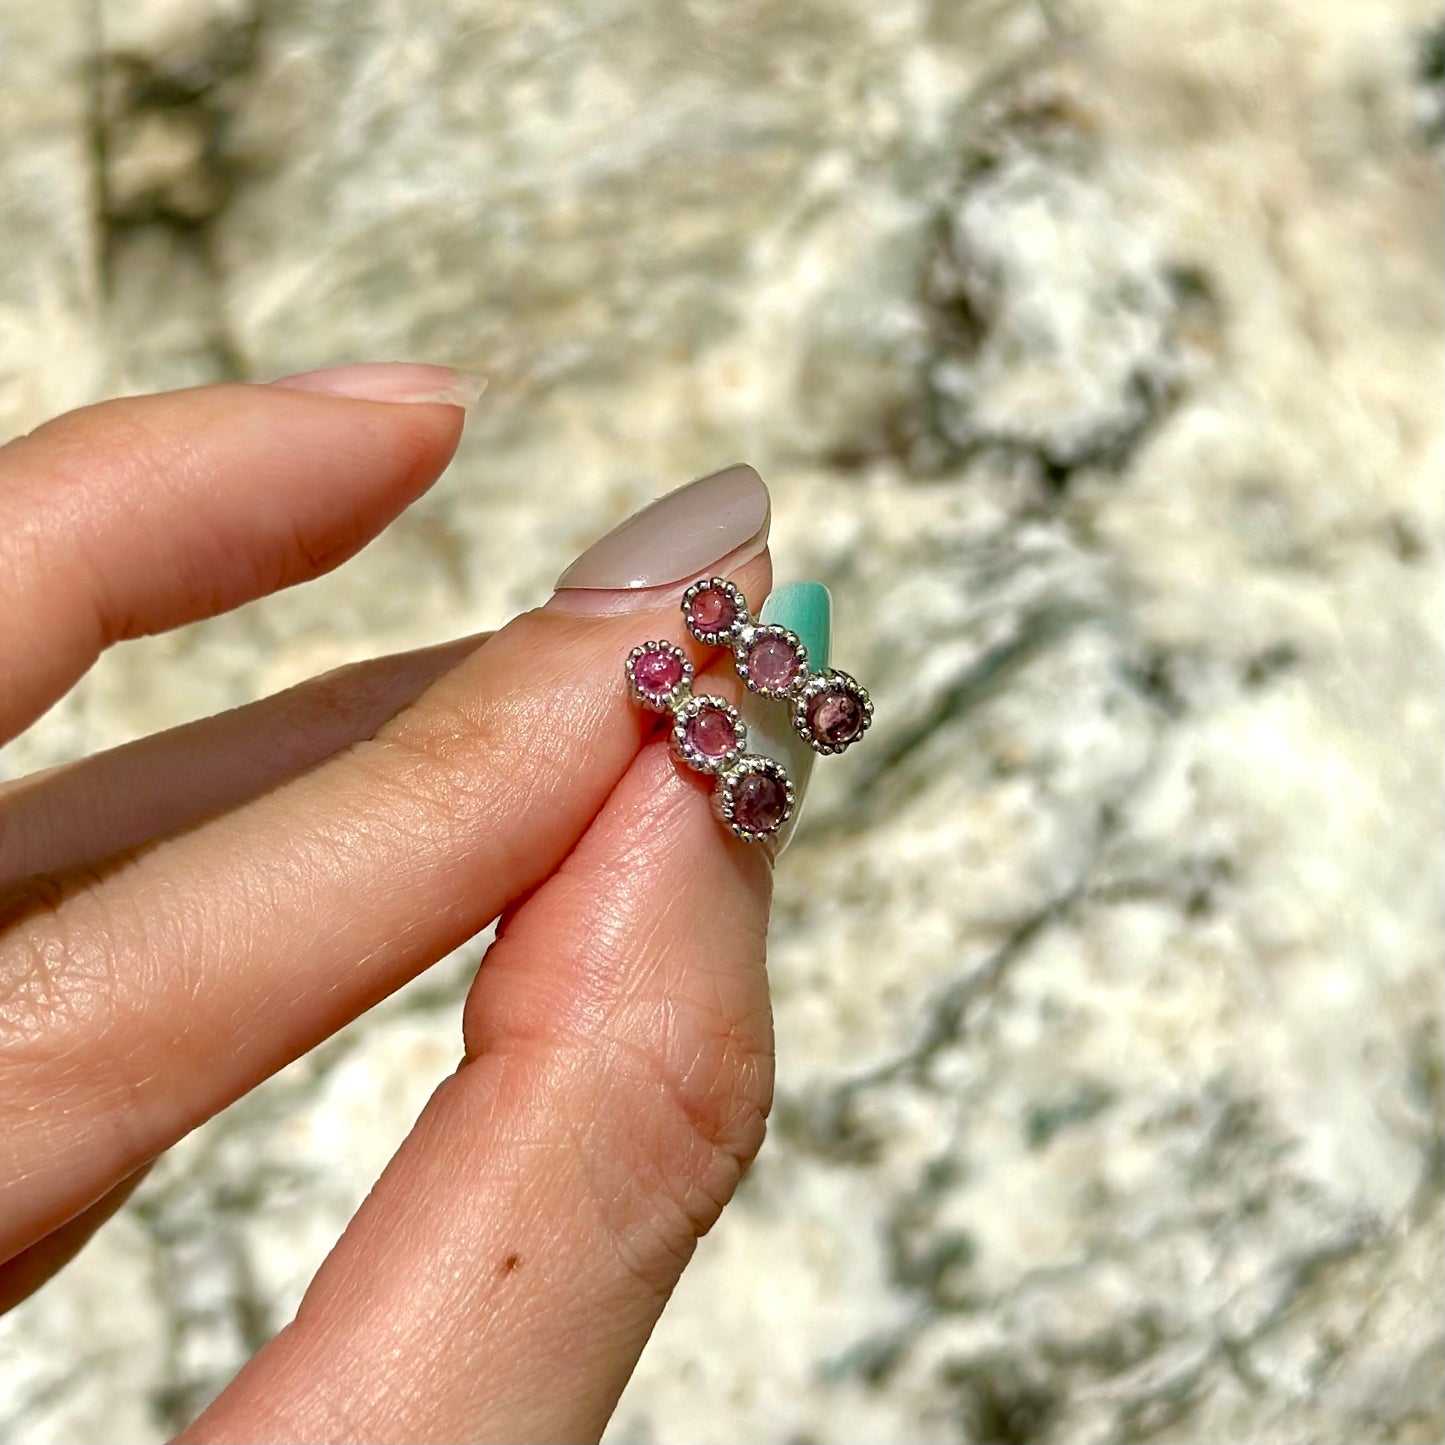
(731, 771)
(750, 638)
(730, 785)
(657, 702)
(831, 679)
(685, 752)
(723, 636)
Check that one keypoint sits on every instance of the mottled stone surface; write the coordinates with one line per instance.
(1093, 353)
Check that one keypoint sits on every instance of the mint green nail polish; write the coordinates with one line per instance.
(807, 609)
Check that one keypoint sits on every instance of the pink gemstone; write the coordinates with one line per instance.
(835, 717)
(759, 802)
(710, 732)
(773, 664)
(712, 610)
(657, 673)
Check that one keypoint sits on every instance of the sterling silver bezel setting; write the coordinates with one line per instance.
(729, 772)
(725, 636)
(685, 752)
(764, 631)
(831, 679)
(724, 798)
(658, 702)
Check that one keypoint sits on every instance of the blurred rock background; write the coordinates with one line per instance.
(1092, 349)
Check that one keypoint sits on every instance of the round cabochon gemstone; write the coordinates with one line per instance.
(835, 717)
(710, 732)
(712, 610)
(773, 664)
(759, 803)
(658, 672)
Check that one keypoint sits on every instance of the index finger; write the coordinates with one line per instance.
(137, 1002)
(137, 515)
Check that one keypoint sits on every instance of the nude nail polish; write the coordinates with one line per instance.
(804, 608)
(716, 523)
(398, 381)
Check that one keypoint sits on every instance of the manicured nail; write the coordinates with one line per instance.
(714, 524)
(805, 608)
(392, 381)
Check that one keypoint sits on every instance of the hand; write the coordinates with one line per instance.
(185, 915)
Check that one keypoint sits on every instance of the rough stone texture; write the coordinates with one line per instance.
(1093, 353)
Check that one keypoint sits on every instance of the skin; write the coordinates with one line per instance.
(184, 916)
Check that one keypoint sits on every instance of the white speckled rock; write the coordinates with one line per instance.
(1093, 354)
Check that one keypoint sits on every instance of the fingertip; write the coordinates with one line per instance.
(138, 514)
(406, 382)
(657, 896)
(300, 481)
(403, 448)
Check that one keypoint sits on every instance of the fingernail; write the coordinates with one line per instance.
(807, 609)
(392, 381)
(716, 523)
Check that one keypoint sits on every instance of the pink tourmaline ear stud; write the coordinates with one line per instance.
(754, 798)
(657, 675)
(752, 794)
(716, 612)
(831, 711)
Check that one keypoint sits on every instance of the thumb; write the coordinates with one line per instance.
(502, 1278)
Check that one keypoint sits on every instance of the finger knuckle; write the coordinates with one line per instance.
(453, 762)
(51, 975)
(686, 1122)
